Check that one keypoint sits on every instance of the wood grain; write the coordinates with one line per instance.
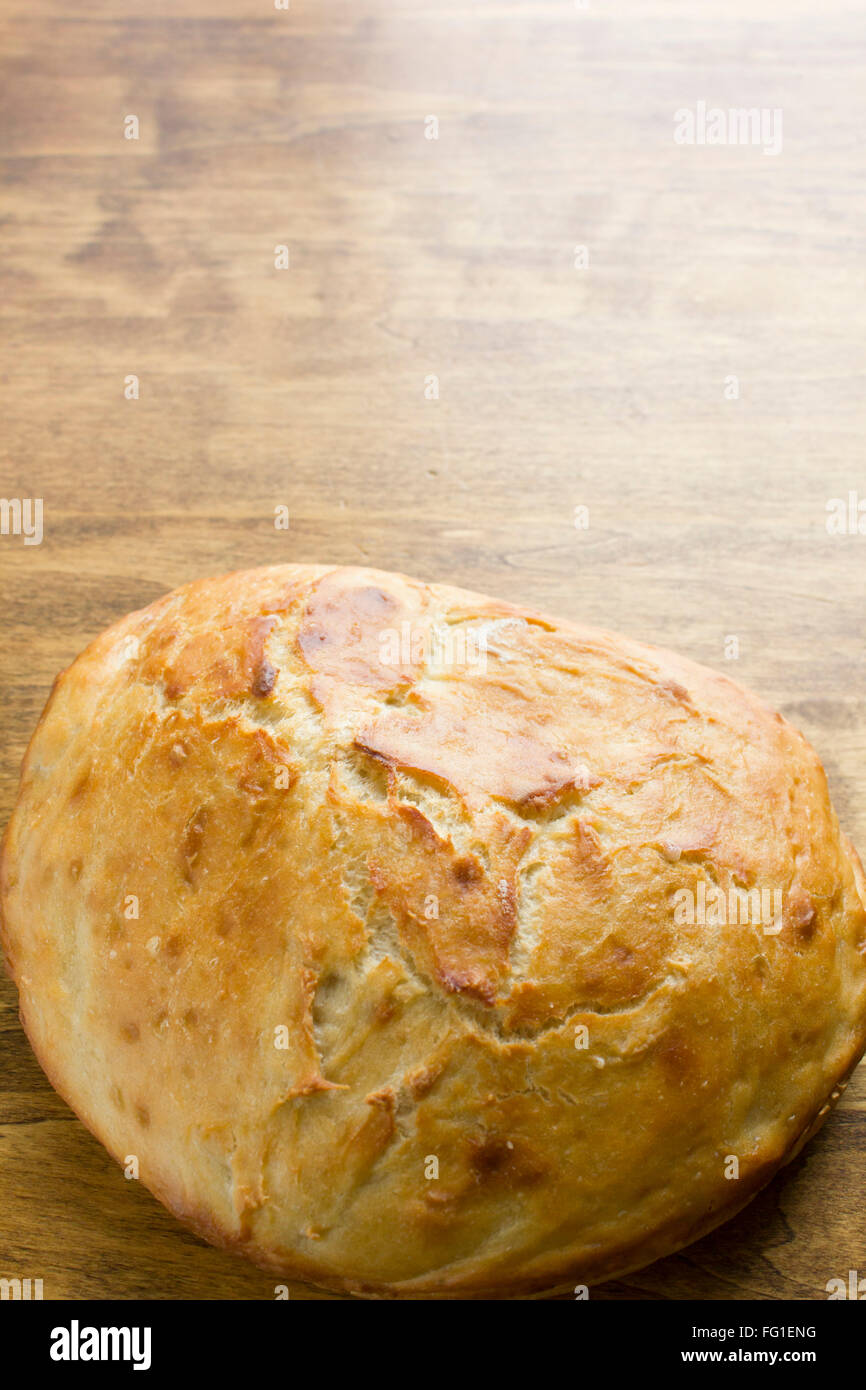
(558, 386)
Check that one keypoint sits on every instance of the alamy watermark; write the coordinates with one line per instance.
(846, 517)
(438, 648)
(77, 1343)
(712, 907)
(22, 516)
(853, 1287)
(713, 125)
(20, 1289)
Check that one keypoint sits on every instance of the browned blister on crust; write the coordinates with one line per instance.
(358, 910)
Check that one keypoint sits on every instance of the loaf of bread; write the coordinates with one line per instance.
(419, 944)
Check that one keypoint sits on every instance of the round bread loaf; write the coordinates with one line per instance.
(419, 944)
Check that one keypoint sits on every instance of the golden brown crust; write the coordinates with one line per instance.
(354, 907)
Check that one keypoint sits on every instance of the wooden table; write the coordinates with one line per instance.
(566, 378)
